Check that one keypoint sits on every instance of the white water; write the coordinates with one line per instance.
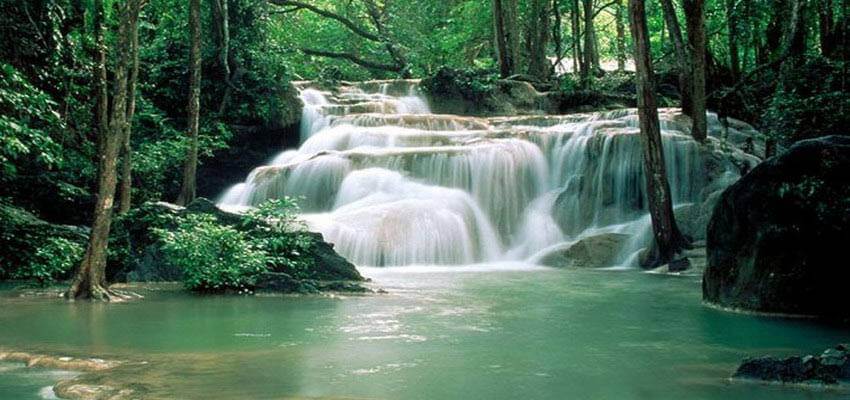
(390, 184)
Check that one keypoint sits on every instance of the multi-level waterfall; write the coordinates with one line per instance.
(389, 183)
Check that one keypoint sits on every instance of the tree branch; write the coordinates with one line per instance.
(325, 13)
(353, 58)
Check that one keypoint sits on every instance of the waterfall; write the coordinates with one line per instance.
(389, 183)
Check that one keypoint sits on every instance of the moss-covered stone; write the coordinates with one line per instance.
(22, 233)
(137, 255)
(776, 238)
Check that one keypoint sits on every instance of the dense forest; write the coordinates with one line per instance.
(424, 199)
(109, 104)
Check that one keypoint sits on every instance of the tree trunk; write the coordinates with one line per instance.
(90, 279)
(221, 22)
(125, 197)
(591, 53)
(538, 35)
(507, 38)
(675, 31)
(187, 189)
(621, 37)
(668, 240)
(695, 18)
(732, 26)
(101, 86)
(578, 57)
(557, 38)
(826, 27)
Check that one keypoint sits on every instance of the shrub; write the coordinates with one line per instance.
(56, 258)
(213, 257)
(276, 229)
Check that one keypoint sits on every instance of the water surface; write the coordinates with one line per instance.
(440, 333)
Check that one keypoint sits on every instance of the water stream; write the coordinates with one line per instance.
(391, 184)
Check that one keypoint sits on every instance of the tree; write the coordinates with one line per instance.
(621, 36)
(90, 278)
(682, 59)
(187, 189)
(506, 36)
(377, 18)
(695, 19)
(732, 26)
(669, 241)
(127, 160)
(578, 56)
(538, 39)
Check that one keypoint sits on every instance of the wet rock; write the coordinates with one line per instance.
(592, 252)
(777, 237)
(831, 367)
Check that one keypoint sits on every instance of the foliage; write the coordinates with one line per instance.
(56, 258)
(27, 116)
(810, 102)
(274, 227)
(217, 256)
(213, 257)
(472, 84)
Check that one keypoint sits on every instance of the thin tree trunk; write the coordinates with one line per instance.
(507, 38)
(668, 239)
(557, 37)
(538, 36)
(621, 37)
(127, 161)
(221, 19)
(732, 26)
(187, 189)
(682, 59)
(101, 86)
(578, 57)
(826, 27)
(591, 58)
(90, 279)
(695, 18)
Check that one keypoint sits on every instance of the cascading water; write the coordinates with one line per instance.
(389, 183)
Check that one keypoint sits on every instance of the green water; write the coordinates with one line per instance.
(474, 333)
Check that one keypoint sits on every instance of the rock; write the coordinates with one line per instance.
(480, 93)
(682, 264)
(252, 145)
(829, 368)
(22, 233)
(140, 258)
(591, 252)
(776, 240)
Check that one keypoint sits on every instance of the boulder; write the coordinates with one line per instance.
(253, 144)
(22, 233)
(138, 257)
(591, 252)
(775, 241)
(832, 366)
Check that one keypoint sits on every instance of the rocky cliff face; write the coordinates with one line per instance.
(776, 241)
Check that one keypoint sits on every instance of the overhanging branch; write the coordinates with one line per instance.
(353, 58)
(354, 27)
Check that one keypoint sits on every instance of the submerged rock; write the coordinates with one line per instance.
(591, 252)
(832, 366)
(776, 241)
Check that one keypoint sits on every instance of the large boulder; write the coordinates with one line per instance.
(137, 254)
(591, 252)
(776, 239)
